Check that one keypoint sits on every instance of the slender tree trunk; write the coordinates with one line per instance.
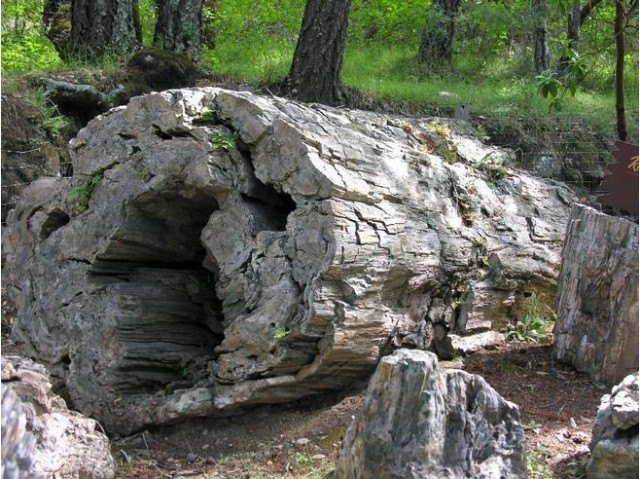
(540, 10)
(621, 120)
(209, 13)
(575, 19)
(317, 62)
(104, 26)
(436, 39)
(179, 26)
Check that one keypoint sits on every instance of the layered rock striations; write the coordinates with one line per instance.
(220, 249)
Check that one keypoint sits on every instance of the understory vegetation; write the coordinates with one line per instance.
(491, 70)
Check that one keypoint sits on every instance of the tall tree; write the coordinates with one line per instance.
(436, 39)
(179, 26)
(540, 10)
(618, 29)
(317, 61)
(99, 27)
(575, 19)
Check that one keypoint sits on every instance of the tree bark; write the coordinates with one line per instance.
(437, 38)
(597, 326)
(179, 27)
(621, 120)
(100, 27)
(540, 10)
(315, 72)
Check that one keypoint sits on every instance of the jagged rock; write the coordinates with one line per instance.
(421, 421)
(614, 443)
(41, 438)
(17, 443)
(239, 249)
(597, 326)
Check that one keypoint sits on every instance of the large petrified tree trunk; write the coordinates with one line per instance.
(100, 27)
(317, 61)
(597, 326)
(222, 249)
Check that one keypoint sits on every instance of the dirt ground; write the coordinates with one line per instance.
(301, 440)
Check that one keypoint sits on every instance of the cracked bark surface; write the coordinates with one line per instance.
(241, 250)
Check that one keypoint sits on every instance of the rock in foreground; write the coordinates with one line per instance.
(218, 250)
(614, 445)
(41, 438)
(422, 422)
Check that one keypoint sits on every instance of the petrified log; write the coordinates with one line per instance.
(420, 421)
(238, 250)
(597, 326)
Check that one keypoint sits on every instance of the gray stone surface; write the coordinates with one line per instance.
(41, 437)
(597, 326)
(240, 249)
(423, 422)
(614, 443)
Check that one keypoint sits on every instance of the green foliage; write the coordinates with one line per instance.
(83, 190)
(532, 426)
(536, 467)
(55, 123)
(280, 333)
(24, 46)
(148, 16)
(208, 117)
(553, 86)
(494, 167)
(223, 141)
(537, 322)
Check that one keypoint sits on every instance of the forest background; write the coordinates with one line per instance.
(492, 69)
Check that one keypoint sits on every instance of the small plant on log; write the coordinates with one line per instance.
(220, 140)
(280, 333)
(536, 325)
(83, 190)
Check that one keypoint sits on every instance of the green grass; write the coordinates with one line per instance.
(240, 60)
(498, 86)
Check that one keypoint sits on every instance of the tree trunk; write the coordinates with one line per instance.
(56, 21)
(575, 19)
(597, 326)
(209, 13)
(317, 62)
(437, 37)
(100, 27)
(540, 10)
(621, 121)
(179, 26)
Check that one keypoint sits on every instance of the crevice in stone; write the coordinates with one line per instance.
(55, 219)
(270, 206)
(169, 318)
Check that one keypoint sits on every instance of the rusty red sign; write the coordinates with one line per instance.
(621, 179)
